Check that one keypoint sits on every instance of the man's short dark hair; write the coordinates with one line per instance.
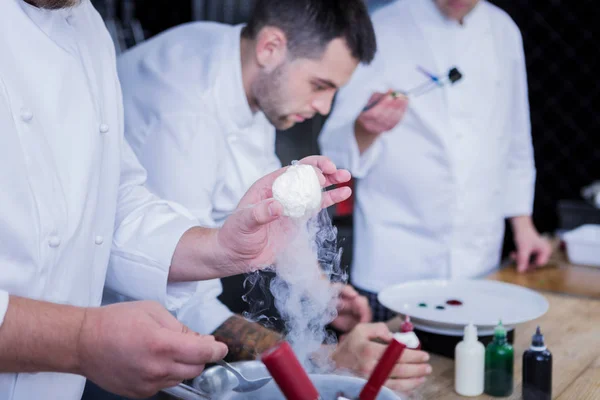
(310, 25)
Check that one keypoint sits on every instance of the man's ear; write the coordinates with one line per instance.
(271, 48)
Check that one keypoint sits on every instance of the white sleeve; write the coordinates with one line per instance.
(3, 305)
(147, 231)
(337, 140)
(520, 172)
(182, 154)
(204, 312)
(6, 128)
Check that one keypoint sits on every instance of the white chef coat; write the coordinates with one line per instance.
(188, 121)
(433, 192)
(73, 189)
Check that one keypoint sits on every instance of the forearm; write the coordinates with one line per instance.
(246, 340)
(198, 257)
(39, 336)
(364, 139)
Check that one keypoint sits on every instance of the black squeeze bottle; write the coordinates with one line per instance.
(537, 370)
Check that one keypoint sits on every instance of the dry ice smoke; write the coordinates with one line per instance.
(303, 291)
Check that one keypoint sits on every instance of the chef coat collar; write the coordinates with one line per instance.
(429, 12)
(44, 18)
(51, 22)
(235, 101)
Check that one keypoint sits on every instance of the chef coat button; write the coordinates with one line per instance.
(99, 240)
(54, 241)
(26, 115)
(104, 128)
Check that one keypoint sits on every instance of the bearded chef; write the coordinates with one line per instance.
(437, 174)
(202, 105)
(74, 198)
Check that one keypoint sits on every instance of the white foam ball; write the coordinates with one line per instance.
(298, 190)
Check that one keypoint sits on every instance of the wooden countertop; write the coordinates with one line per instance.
(571, 328)
(558, 276)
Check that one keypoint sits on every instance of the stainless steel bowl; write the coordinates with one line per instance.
(328, 386)
(216, 383)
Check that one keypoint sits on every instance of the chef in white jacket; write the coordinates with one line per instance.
(73, 198)
(202, 103)
(437, 174)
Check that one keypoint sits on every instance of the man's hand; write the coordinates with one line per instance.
(384, 116)
(136, 349)
(253, 234)
(359, 353)
(529, 243)
(352, 308)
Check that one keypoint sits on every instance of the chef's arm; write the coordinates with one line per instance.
(364, 138)
(159, 246)
(147, 231)
(39, 336)
(34, 335)
(520, 173)
(341, 138)
(246, 340)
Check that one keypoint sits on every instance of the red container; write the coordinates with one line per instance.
(288, 373)
(382, 370)
(346, 207)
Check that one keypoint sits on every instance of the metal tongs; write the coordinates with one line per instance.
(453, 76)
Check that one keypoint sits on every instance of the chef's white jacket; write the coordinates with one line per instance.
(432, 194)
(188, 121)
(73, 192)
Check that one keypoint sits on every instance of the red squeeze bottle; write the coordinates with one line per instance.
(288, 373)
(382, 370)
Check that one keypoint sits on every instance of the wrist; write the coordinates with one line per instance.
(363, 136)
(199, 256)
(82, 343)
(521, 224)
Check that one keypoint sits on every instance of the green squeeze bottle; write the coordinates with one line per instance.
(499, 357)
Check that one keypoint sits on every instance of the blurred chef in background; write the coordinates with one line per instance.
(74, 199)
(437, 174)
(202, 105)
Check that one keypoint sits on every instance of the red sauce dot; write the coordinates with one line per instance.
(454, 302)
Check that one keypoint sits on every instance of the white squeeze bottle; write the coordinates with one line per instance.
(469, 367)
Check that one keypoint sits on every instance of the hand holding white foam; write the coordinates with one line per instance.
(298, 190)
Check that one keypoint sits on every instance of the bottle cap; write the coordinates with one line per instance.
(470, 333)
(410, 339)
(537, 339)
(407, 326)
(500, 331)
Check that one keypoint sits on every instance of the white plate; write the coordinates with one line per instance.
(484, 303)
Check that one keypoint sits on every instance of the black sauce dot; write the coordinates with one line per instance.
(439, 307)
(422, 304)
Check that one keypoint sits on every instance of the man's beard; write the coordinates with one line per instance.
(269, 96)
(53, 4)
